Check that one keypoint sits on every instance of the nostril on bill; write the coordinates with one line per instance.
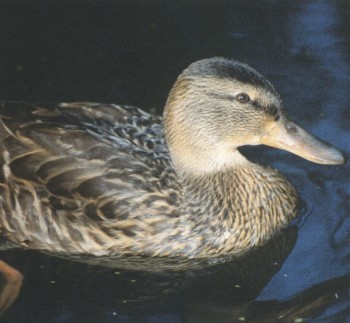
(292, 129)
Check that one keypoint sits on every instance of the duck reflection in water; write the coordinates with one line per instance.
(85, 180)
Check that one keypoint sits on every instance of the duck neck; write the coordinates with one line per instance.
(246, 198)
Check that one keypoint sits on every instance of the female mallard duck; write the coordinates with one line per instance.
(104, 180)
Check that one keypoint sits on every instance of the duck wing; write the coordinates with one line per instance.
(77, 177)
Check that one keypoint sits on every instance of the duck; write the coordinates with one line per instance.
(108, 180)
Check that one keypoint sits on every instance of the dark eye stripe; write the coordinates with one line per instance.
(271, 110)
(257, 105)
(221, 96)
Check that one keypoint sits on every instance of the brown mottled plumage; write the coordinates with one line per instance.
(104, 180)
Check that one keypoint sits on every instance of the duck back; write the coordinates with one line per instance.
(82, 177)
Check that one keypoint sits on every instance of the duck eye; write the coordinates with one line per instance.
(243, 97)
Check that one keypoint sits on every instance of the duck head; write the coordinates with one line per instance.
(218, 105)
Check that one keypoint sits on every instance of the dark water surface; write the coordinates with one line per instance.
(131, 52)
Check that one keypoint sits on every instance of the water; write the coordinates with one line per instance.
(131, 52)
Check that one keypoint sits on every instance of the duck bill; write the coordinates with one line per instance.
(287, 135)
